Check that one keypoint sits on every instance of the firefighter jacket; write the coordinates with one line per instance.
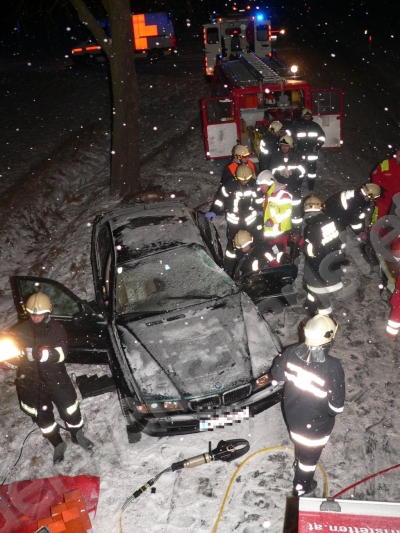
(239, 201)
(323, 253)
(229, 171)
(314, 394)
(289, 171)
(393, 325)
(42, 377)
(387, 176)
(308, 137)
(268, 146)
(347, 208)
(277, 211)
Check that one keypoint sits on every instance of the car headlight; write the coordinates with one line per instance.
(160, 407)
(261, 382)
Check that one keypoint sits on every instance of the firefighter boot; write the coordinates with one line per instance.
(308, 489)
(80, 439)
(58, 454)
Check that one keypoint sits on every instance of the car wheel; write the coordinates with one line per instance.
(154, 55)
(270, 305)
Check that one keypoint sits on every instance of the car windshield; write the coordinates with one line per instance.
(170, 280)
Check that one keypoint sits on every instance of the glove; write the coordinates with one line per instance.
(269, 223)
(362, 237)
(260, 213)
(211, 215)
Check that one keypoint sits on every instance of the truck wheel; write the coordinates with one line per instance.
(155, 55)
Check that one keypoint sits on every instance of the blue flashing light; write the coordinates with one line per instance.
(260, 17)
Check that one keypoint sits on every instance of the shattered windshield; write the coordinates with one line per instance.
(170, 280)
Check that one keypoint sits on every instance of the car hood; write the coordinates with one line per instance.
(206, 348)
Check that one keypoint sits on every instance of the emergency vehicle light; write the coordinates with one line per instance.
(93, 47)
(77, 50)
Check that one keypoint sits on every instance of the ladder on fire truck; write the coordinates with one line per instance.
(262, 72)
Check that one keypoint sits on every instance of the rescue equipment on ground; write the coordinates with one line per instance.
(226, 450)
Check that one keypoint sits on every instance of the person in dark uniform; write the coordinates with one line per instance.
(309, 138)
(323, 250)
(314, 394)
(269, 144)
(348, 208)
(42, 379)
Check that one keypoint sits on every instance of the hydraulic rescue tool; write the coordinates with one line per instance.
(226, 450)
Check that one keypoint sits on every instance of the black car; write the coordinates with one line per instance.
(187, 349)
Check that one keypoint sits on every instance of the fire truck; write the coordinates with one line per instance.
(153, 38)
(225, 38)
(249, 93)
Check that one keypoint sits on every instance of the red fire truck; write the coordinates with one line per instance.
(249, 93)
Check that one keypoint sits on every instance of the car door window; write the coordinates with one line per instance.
(63, 304)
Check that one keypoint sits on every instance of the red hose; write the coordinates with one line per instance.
(362, 481)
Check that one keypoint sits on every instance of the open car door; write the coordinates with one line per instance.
(86, 327)
(220, 130)
(328, 113)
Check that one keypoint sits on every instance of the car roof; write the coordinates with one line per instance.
(145, 229)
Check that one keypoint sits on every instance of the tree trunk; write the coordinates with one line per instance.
(125, 154)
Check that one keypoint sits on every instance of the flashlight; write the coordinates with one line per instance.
(8, 349)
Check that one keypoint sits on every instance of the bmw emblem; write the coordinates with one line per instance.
(218, 385)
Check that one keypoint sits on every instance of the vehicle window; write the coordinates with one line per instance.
(262, 32)
(212, 36)
(63, 304)
(218, 111)
(170, 280)
(326, 102)
(104, 244)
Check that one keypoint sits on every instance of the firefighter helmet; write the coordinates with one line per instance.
(38, 304)
(242, 239)
(275, 126)
(312, 204)
(371, 190)
(306, 111)
(240, 151)
(286, 140)
(243, 172)
(320, 330)
(265, 178)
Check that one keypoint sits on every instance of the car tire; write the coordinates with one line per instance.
(270, 305)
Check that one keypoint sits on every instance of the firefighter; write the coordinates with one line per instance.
(269, 144)
(42, 379)
(277, 210)
(314, 394)
(240, 201)
(242, 243)
(323, 252)
(349, 208)
(255, 258)
(240, 154)
(309, 138)
(387, 176)
(286, 167)
(393, 325)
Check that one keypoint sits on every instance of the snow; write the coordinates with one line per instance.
(54, 171)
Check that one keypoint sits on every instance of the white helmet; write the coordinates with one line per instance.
(242, 239)
(265, 178)
(286, 140)
(371, 190)
(275, 126)
(320, 330)
(38, 304)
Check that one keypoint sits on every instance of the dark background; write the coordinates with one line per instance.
(30, 28)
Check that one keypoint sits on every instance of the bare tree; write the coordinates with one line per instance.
(125, 158)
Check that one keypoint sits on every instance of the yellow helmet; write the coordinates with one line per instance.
(286, 140)
(240, 151)
(306, 111)
(243, 172)
(242, 239)
(275, 126)
(320, 330)
(312, 204)
(371, 190)
(38, 304)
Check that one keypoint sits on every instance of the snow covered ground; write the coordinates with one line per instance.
(55, 130)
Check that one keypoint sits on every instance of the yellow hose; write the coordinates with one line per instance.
(214, 529)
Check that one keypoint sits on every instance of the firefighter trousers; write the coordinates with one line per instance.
(306, 459)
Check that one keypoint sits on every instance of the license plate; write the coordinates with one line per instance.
(221, 417)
